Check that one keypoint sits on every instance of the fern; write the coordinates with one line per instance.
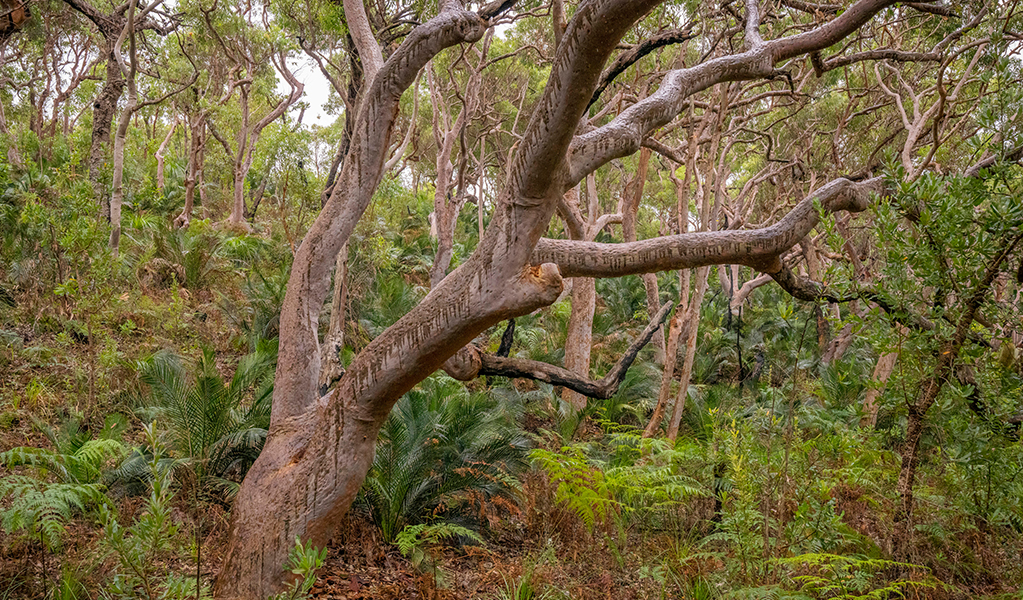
(415, 536)
(852, 577)
(42, 509)
(581, 487)
(643, 475)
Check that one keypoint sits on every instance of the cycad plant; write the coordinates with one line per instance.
(217, 428)
(443, 451)
(197, 250)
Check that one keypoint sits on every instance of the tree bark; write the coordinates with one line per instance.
(197, 129)
(691, 328)
(161, 154)
(882, 371)
(332, 369)
(102, 115)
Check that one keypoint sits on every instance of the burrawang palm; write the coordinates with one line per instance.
(443, 451)
(216, 428)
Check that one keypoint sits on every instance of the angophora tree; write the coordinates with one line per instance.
(320, 447)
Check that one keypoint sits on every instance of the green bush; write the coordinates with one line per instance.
(443, 451)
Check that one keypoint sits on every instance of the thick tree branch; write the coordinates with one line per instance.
(592, 34)
(362, 35)
(298, 365)
(602, 389)
(813, 9)
(837, 62)
(934, 9)
(758, 248)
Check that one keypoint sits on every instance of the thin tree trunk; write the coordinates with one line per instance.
(692, 328)
(194, 169)
(117, 196)
(249, 137)
(102, 115)
(579, 337)
(668, 372)
(13, 156)
(161, 153)
(882, 371)
(634, 195)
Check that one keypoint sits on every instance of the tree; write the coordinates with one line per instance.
(130, 73)
(320, 448)
(110, 25)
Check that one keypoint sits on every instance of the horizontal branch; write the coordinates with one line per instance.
(602, 389)
(934, 9)
(881, 54)
(809, 7)
(757, 248)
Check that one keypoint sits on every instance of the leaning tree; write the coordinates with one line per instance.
(320, 446)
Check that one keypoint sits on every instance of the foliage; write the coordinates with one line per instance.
(443, 451)
(640, 475)
(414, 540)
(303, 561)
(39, 507)
(218, 429)
(852, 577)
(141, 548)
